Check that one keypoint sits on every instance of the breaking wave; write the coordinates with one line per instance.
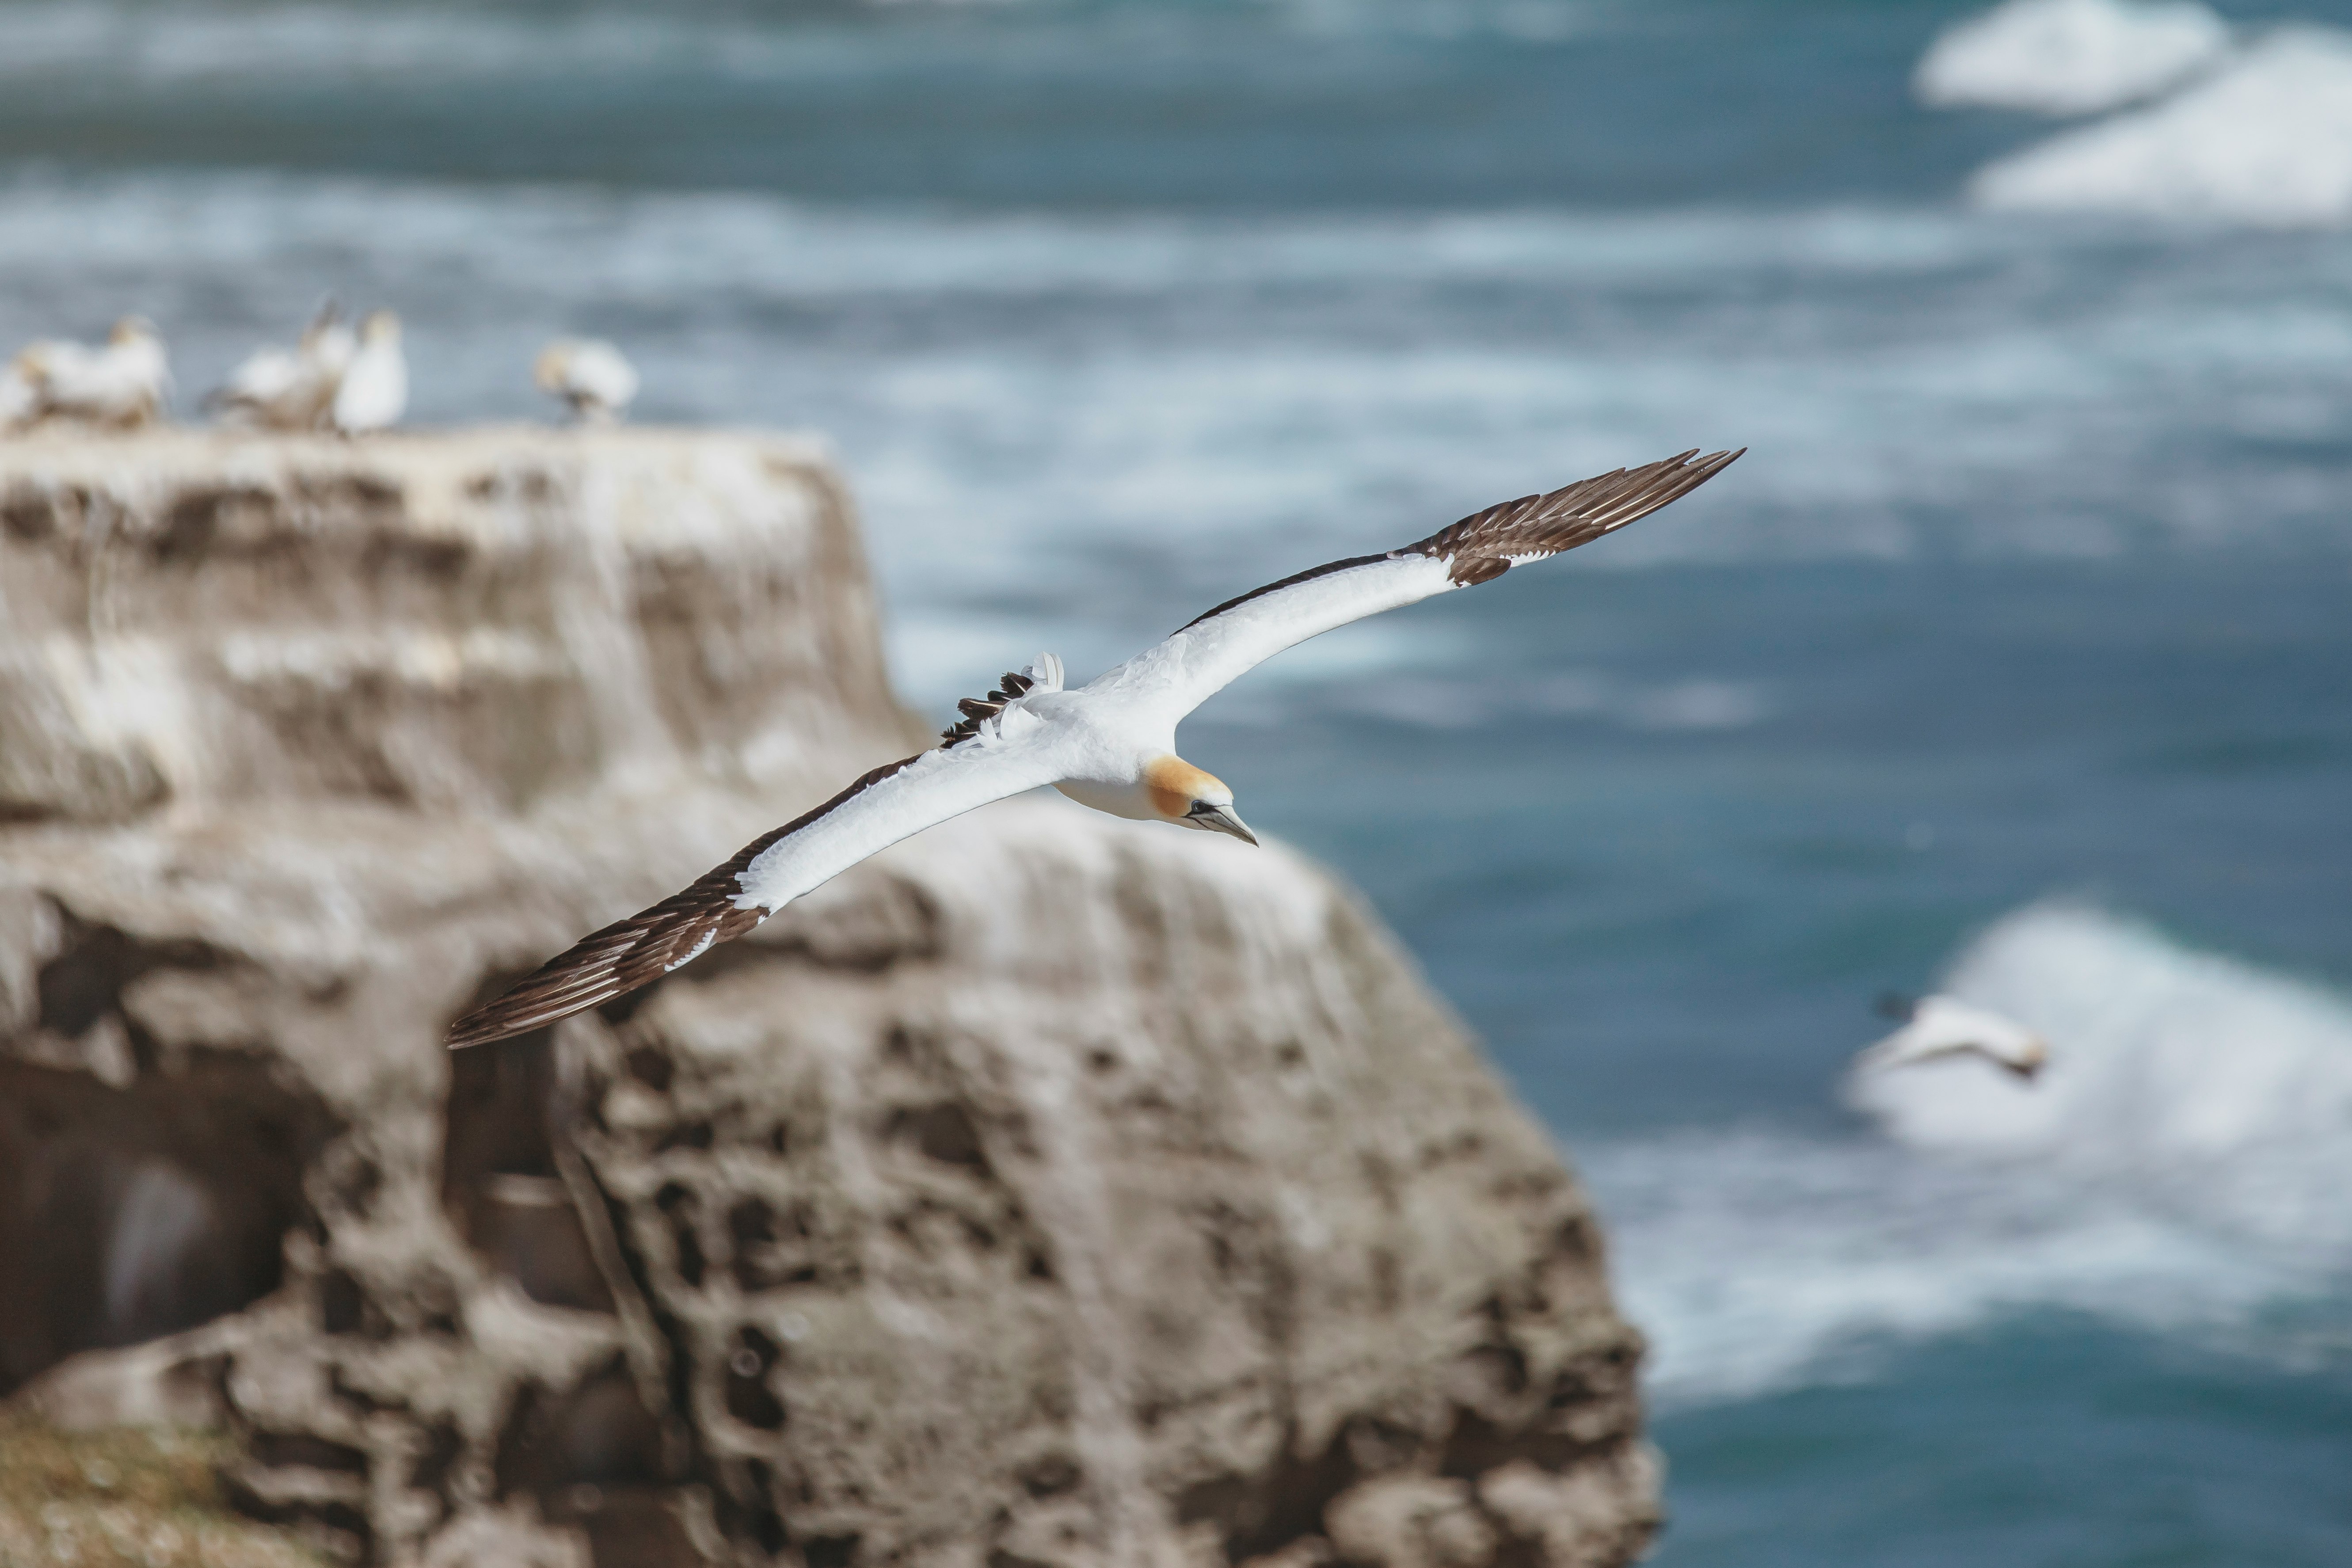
(2265, 141)
(2069, 56)
(2180, 1168)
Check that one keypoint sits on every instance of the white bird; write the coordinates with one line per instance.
(590, 375)
(282, 390)
(124, 383)
(19, 400)
(1937, 1028)
(1110, 745)
(373, 391)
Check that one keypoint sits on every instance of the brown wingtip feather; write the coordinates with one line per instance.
(637, 951)
(1480, 547)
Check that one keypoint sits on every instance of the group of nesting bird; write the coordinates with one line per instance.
(337, 377)
(333, 378)
(124, 383)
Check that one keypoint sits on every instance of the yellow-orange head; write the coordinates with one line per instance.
(1193, 798)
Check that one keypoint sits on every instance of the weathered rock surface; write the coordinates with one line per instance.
(1050, 1190)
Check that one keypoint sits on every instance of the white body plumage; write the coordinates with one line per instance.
(125, 381)
(281, 389)
(19, 401)
(373, 393)
(595, 379)
(1943, 1027)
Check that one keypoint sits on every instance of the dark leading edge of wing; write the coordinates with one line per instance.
(1481, 544)
(629, 952)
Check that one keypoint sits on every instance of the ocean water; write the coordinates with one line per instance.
(2016, 657)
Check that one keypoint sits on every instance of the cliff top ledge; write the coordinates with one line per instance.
(472, 621)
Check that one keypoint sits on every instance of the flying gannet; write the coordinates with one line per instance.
(1110, 745)
(123, 383)
(373, 391)
(590, 375)
(281, 390)
(1937, 1028)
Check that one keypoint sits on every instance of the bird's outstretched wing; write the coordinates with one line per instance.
(1218, 648)
(1002, 752)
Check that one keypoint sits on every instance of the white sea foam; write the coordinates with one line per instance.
(2181, 1167)
(2267, 141)
(2070, 57)
(1440, 702)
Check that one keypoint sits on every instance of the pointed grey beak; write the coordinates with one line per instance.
(1222, 819)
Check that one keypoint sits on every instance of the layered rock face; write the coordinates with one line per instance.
(1050, 1190)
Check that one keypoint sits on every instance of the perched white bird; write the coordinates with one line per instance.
(590, 375)
(1110, 745)
(1937, 1027)
(373, 391)
(279, 390)
(19, 399)
(125, 382)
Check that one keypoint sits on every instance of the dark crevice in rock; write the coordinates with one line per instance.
(944, 1133)
(280, 1450)
(696, 1135)
(598, 1432)
(85, 981)
(748, 1397)
(1259, 1514)
(1477, 1445)
(343, 1304)
(830, 1550)
(431, 1470)
(340, 1530)
(626, 1534)
(627, 1527)
(500, 1179)
(128, 1214)
(1053, 1475)
(653, 1068)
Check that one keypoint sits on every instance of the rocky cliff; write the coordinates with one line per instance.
(1050, 1190)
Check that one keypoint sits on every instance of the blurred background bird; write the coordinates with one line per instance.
(1938, 1028)
(124, 383)
(373, 391)
(18, 399)
(282, 389)
(591, 376)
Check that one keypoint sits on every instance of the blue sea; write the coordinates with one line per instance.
(2015, 657)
